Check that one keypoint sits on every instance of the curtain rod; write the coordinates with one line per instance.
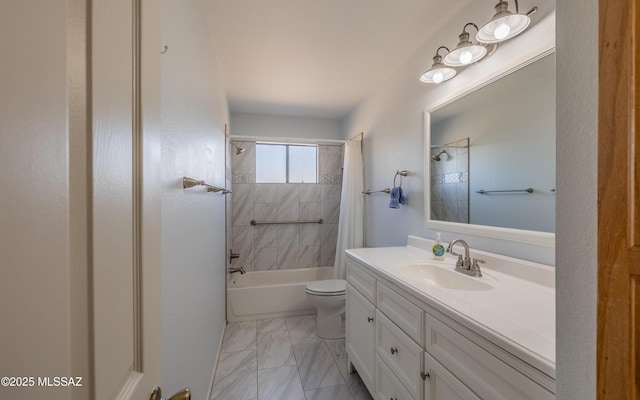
(285, 139)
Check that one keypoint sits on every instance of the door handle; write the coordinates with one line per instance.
(184, 394)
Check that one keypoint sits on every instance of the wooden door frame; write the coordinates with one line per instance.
(618, 201)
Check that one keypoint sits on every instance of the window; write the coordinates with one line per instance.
(286, 163)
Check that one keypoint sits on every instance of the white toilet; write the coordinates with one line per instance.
(329, 297)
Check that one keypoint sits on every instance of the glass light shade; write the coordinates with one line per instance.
(503, 28)
(465, 55)
(438, 71)
(438, 74)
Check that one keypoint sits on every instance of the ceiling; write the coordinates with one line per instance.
(316, 58)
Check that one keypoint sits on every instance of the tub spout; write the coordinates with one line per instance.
(234, 270)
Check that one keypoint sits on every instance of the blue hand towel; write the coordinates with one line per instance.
(397, 198)
(403, 198)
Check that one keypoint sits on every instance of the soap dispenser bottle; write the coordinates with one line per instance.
(438, 248)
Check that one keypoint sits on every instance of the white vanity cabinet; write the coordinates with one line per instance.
(403, 348)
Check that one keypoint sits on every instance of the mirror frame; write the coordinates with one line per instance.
(546, 239)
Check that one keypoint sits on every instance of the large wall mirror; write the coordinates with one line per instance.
(490, 158)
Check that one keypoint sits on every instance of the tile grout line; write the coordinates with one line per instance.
(296, 359)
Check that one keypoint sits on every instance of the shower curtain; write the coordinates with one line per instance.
(351, 221)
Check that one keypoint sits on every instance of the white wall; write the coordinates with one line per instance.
(194, 111)
(392, 121)
(576, 235)
(257, 125)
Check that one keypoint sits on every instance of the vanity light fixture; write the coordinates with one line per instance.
(504, 24)
(438, 71)
(466, 52)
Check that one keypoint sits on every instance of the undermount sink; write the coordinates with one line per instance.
(441, 277)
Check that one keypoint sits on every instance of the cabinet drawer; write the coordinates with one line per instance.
(360, 279)
(401, 353)
(387, 385)
(440, 384)
(484, 373)
(406, 315)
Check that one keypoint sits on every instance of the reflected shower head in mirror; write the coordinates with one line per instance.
(239, 150)
(437, 156)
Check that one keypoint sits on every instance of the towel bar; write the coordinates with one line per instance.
(387, 191)
(190, 182)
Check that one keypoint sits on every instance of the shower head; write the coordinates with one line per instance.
(239, 150)
(437, 156)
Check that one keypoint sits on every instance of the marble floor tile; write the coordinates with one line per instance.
(337, 348)
(236, 376)
(281, 383)
(316, 365)
(269, 325)
(239, 336)
(269, 367)
(302, 330)
(358, 389)
(340, 392)
(274, 349)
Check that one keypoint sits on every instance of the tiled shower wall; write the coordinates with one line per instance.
(450, 183)
(268, 247)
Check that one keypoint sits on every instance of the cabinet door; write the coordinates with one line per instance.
(361, 334)
(440, 384)
(482, 371)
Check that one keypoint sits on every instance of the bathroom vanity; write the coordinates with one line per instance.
(417, 329)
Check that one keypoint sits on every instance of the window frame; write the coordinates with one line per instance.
(287, 159)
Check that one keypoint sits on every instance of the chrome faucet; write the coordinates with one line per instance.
(234, 270)
(465, 265)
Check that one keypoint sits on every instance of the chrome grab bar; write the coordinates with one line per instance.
(314, 221)
(528, 190)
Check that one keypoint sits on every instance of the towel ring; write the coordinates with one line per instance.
(401, 174)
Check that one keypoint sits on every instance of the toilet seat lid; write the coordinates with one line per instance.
(327, 286)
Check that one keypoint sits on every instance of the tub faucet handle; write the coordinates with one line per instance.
(234, 270)
(233, 255)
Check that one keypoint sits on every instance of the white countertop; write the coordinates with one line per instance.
(517, 314)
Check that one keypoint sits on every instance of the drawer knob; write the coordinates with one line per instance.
(369, 319)
(393, 398)
(425, 375)
(394, 350)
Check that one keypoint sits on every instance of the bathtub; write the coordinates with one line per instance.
(271, 294)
